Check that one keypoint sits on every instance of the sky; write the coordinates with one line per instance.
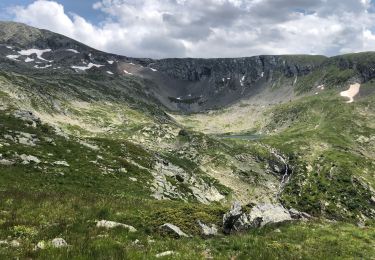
(205, 28)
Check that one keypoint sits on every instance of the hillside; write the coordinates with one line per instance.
(87, 136)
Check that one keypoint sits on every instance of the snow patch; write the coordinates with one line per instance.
(127, 72)
(154, 70)
(110, 72)
(262, 74)
(72, 50)
(46, 66)
(38, 53)
(13, 57)
(351, 92)
(28, 59)
(89, 66)
(9, 47)
(110, 61)
(321, 87)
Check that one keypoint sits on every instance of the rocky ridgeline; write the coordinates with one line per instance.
(245, 70)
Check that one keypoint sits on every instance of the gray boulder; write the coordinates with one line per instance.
(235, 219)
(111, 224)
(58, 243)
(263, 214)
(207, 230)
(174, 230)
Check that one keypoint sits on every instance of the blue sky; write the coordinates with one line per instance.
(205, 28)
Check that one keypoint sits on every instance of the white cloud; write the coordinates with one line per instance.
(213, 28)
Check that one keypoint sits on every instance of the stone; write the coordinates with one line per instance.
(40, 245)
(6, 162)
(59, 243)
(172, 229)
(133, 179)
(166, 253)
(14, 243)
(235, 220)
(61, 163)
(207, 230)
(112, 224)
(269, 213)
(27, 159)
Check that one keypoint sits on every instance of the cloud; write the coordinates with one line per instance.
(213, 28)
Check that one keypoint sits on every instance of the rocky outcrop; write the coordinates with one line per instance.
(164, 188)
(259, 215)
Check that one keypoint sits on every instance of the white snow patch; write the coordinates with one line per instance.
(72, 50)
(223, 79)
(179, 98)
(351, 92)
(38, 53)
(262, 74)
(320, 87)
(228, 78)
(28, 59)
(242, 80)
(110, 72)
(38, 67)
(127, 72)
(9, 47)
(154, 70)
(110, 61)
(89, 66)
(13, 57)
(189, 95)
(131, 63)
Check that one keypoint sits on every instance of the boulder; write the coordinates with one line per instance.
(166, 253)
(111, 224)
(174, 230)
(235, 219)
(263, 214)
(207, 230)
(27, 159)
(58, 243)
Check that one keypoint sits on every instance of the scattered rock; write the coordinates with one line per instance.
(6, 162)
(166, 253)
(61, 163)
(111, 224)
(14, 243)
(58, 243)
(206, 230)
(172, 229)
(41, 245)
(133, 179)
(3, 243)
(27, 159)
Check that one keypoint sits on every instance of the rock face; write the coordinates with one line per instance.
(162, 188)
(111, 224)
(174, 230)
(236, 220)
